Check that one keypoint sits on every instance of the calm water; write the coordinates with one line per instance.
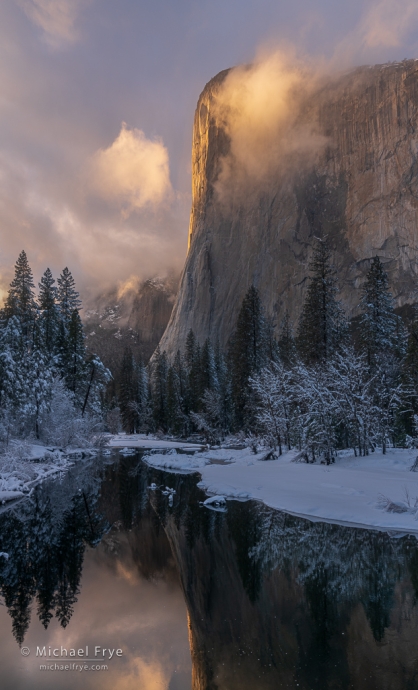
(193, 598)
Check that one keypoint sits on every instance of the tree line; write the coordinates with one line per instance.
(50, 386)
(318, 389)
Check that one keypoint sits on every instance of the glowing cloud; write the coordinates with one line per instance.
(128, 286)
(133, 171)
(259, 106)
(56, 18)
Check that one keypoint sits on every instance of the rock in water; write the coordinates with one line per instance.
(360, 189)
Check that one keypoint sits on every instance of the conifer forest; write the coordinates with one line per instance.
(324, 385)
(321, 385)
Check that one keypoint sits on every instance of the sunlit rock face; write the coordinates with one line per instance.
(360, 189)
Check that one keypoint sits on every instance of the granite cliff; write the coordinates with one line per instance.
(360, 189)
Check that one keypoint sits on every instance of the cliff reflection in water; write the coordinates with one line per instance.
(273, 601)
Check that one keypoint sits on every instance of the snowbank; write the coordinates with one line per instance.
(6, 496)
(148, 442)
(26, 465)
(349, 492)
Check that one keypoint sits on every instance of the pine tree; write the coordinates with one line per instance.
(49, 316)
(382, 331)
(207, 368)
(190, 349)
(272, 346)
(36, 381)
(159, 389)
(72, 358)
(11, 353)
(286, 343)
(177, 396)
(224, 387)
(20, 301)
(175, 419)
(322, 326)
(67, 296)
(128, 392)
(143, 397)
(180, 369)
(247, 352)
(410, 377)
(192, 359)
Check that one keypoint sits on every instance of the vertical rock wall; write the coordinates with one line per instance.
(362, 192)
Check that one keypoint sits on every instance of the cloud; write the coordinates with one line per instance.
(387, 23)
(58, 225)
(382, 30)
(133, 171)
(129, 286)
(259, 107)
(57, 18)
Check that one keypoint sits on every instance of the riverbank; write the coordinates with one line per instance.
(378, 491)
(25, 465)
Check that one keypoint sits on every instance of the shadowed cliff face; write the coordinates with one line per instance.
(360, 189)
(136, 318)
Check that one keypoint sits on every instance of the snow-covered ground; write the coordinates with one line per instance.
(363, 492)
(378, 491)
(148, 442)
(26, 465)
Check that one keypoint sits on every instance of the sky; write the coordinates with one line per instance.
(97, 100)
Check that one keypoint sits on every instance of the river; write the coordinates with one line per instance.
(117, 577)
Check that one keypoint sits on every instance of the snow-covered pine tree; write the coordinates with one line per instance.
(224, 388)
(175, 417)
(11, 353)
(247, 353)
(179, 366)
(192, 359)
(72, 360)
(382, 331)
(48, 313)
(159, 389)
(68, 299)
(143, 408)
(208, 376)
(97, 376)
(272, 346)
(384, 340)
(37, 378)
(322, 326)
(20, 301)
(214, 418)
(128, 392)
(177, 396)
(410, 377)
(286, 342)
(190, 352)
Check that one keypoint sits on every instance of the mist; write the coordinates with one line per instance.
(259, 106)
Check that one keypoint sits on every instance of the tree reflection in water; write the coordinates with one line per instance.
(273, 600)
(45, 537)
